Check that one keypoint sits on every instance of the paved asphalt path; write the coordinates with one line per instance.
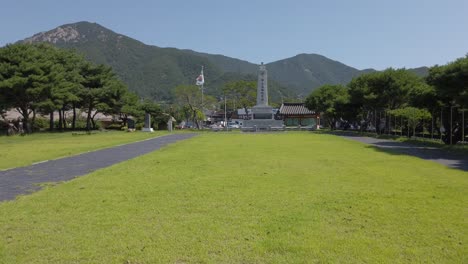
(25, 180)
(444, 157)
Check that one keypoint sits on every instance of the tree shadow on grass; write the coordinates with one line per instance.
(456, 160)
(452, 160)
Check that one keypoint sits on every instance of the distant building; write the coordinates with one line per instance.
(297, 114)
(241, 114)
(213, 117)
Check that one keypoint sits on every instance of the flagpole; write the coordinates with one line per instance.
(202, 88)
(225, 113)
(201, 82)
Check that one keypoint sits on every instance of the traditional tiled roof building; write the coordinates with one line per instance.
(297, 114)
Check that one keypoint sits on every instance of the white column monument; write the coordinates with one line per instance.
(262, 113)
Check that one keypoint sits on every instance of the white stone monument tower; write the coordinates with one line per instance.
(262, 86)
(262, 113)
(262, 110)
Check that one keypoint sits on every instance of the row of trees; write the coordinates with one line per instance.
(43, 79)
(399, 93)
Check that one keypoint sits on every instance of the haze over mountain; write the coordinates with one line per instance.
(152, 71)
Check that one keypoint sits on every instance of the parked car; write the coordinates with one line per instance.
(185, 125)
(233, 125)
(216, 127)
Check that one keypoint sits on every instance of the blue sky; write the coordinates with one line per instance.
(360, 33)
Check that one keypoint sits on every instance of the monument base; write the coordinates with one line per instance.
(147, 129)
(262, 112)
(256, 125)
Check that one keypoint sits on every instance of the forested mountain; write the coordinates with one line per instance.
(311, 69)
(153, 72)
(148, 70)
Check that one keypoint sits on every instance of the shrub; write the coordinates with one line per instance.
(41, 123)
(115, 126)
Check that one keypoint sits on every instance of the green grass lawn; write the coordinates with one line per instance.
(21, 151)
(247, 198)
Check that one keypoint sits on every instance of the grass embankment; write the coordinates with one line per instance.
(24, 150)
(247, 198)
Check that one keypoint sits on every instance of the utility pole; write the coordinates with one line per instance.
(401, 126)
(380, 121)
(225, 113)
(441, 121)
(408, 128)
(375, 120)
(432, 125)
(389, 132)
(463, 125)
(451, 124)
(422, 121)
(281, 94)
(388, 119)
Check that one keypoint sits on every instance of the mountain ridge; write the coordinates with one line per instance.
(154, 71)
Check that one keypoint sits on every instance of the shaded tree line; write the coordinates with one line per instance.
(379, 100)
(39, 78)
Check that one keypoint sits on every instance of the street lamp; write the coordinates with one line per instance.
(225, 114)
(452, 105)
(451, 125)
(281, 94)
(463, 123)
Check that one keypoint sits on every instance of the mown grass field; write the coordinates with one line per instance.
(24, 150)
(247, 198)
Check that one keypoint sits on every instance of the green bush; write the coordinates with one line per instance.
(115, 126)
(41, 123)
(80, 123)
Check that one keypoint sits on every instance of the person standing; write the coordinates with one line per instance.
(11, 131)
(20, 127)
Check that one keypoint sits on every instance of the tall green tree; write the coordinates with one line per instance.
(189, 96)
(413, 116)
(451, 87)
(377, 92)
(41, 78)
(101, 91)
(241, 94)
(129, 105)
(4, 105)
(330, 100)
(26, 77)
(150, 107)
(64, 93)
(451, 81)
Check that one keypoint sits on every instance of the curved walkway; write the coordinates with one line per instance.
(444, 157)
(25, 180)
